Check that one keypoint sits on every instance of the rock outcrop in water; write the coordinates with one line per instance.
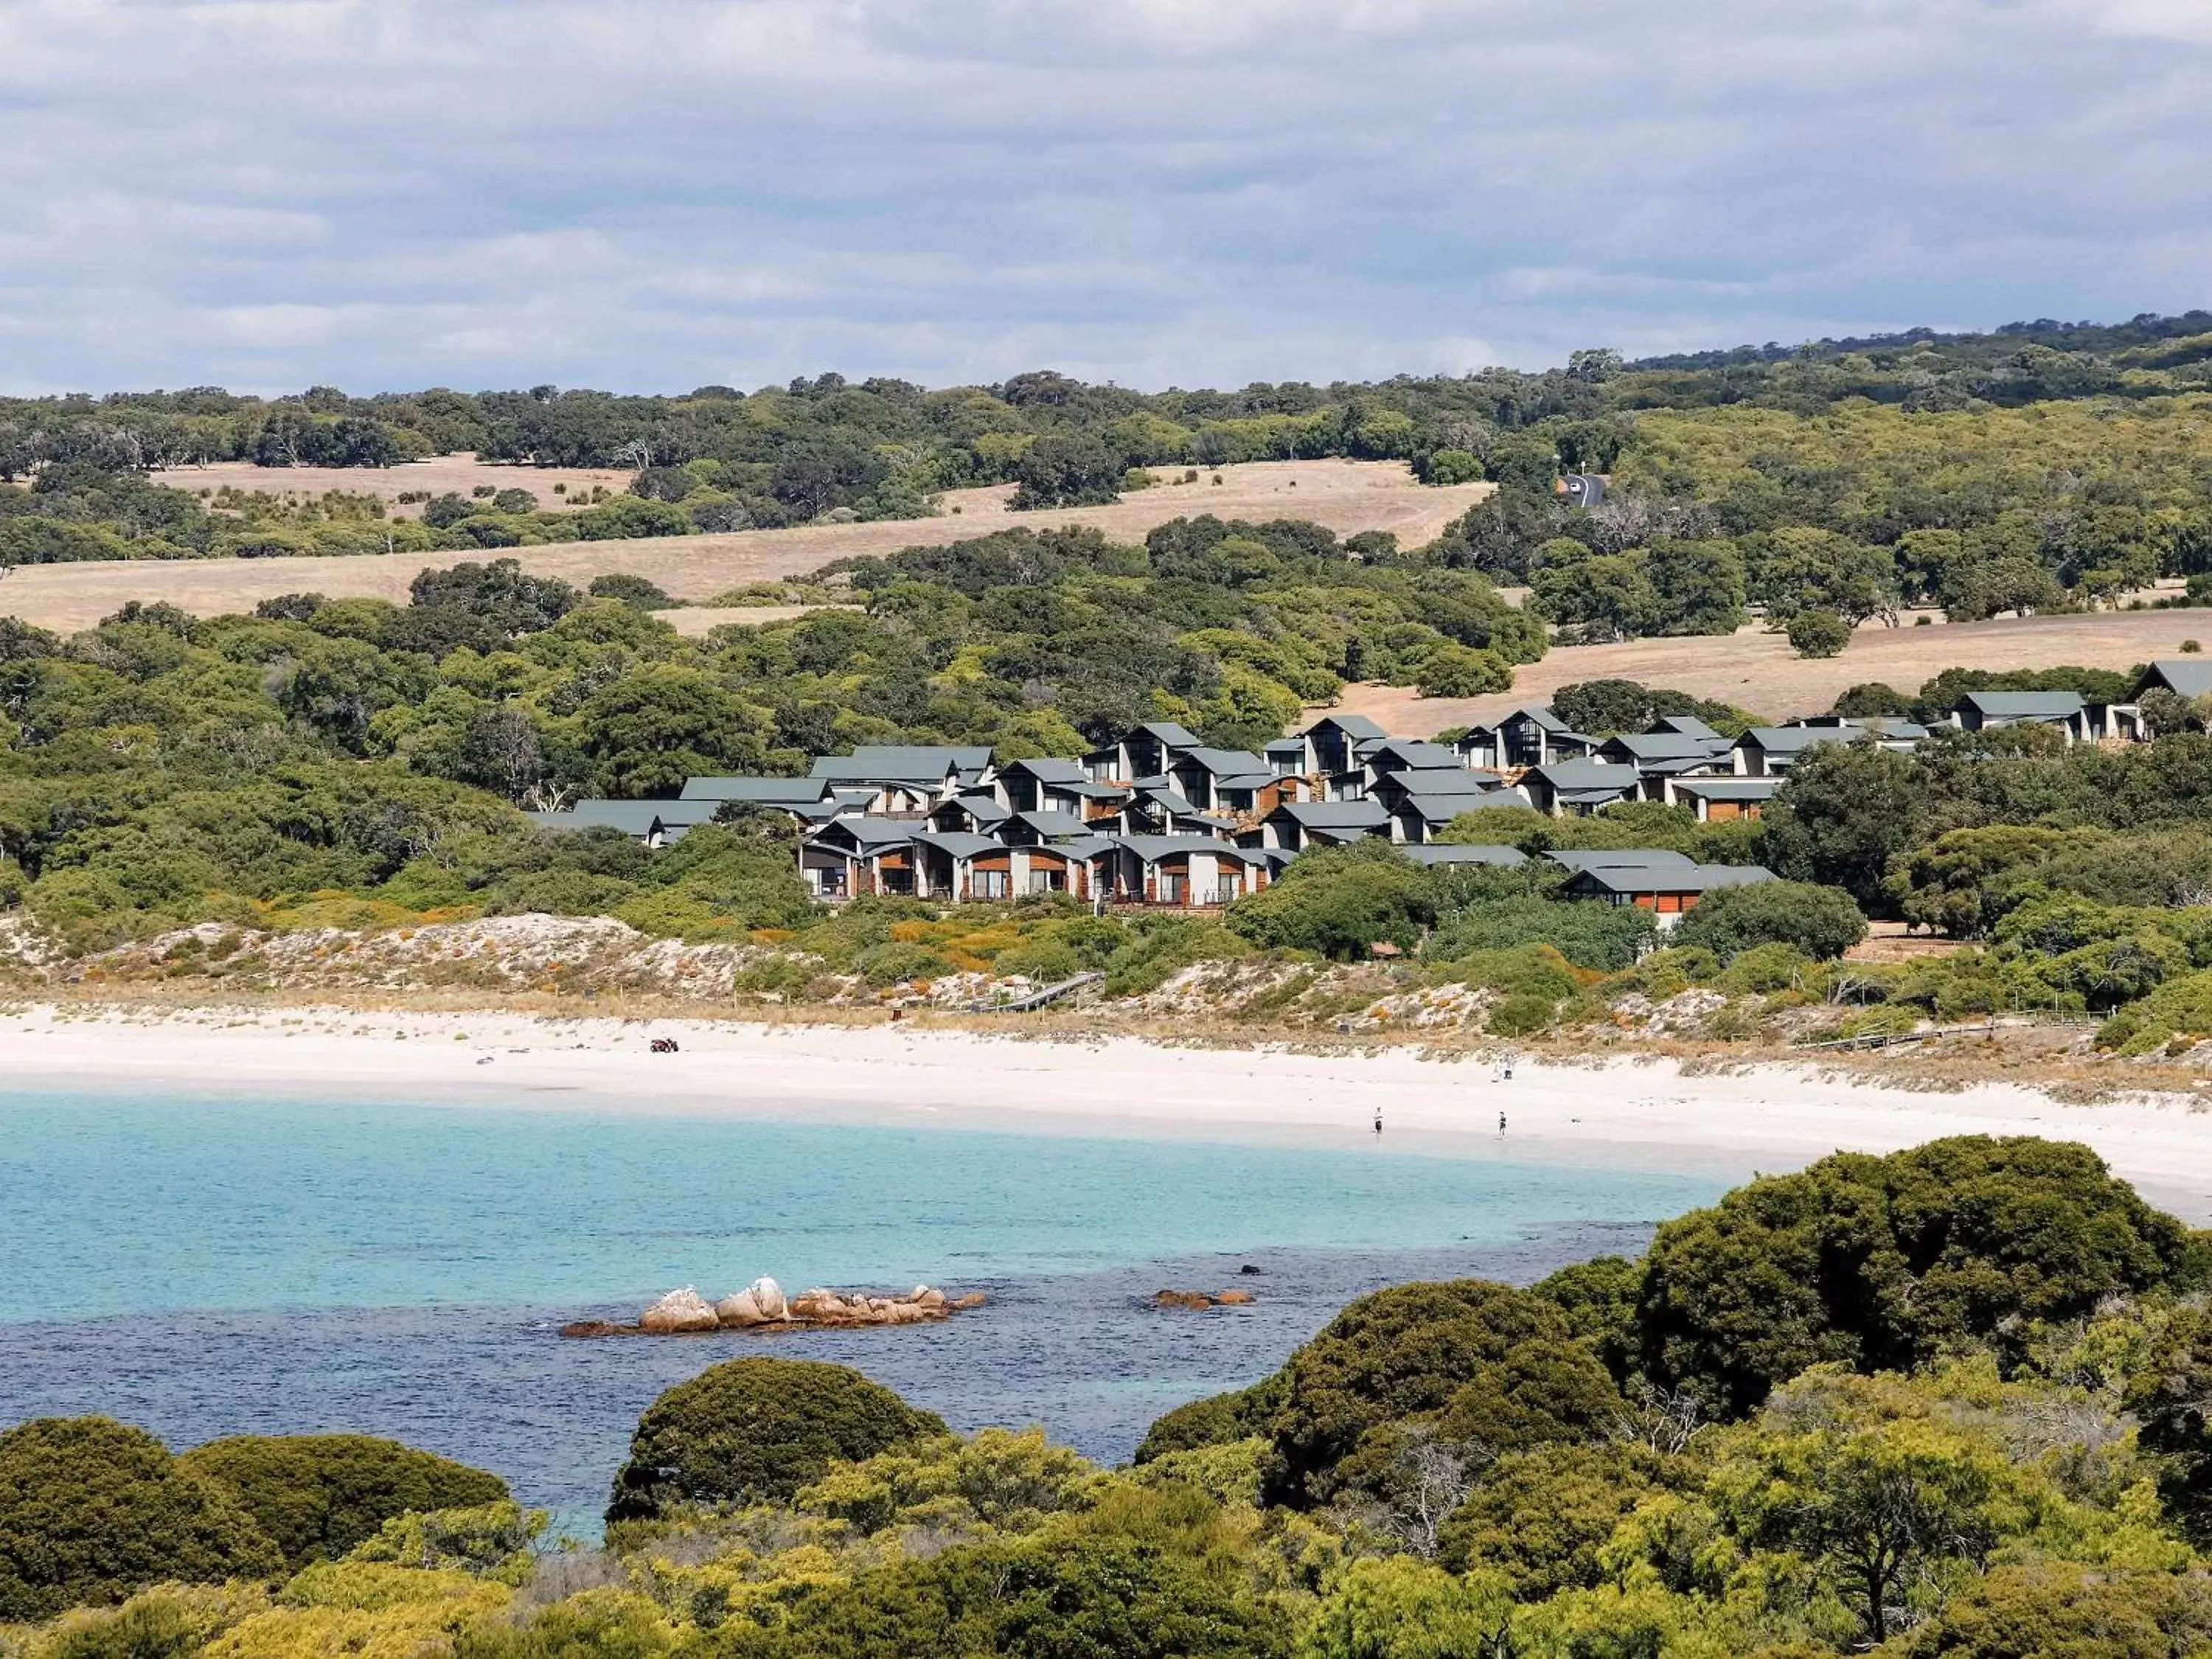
(677, 1312)
(1199, 1300)
(762, 1306)
(760, 1303)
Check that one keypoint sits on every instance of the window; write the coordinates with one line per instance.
(1046, 881)
(989, 883)
(1172, 888)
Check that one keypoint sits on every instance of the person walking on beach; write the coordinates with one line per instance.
(1501, 1126)
(1378, 1119)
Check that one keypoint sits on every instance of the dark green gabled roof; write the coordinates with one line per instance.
(1436, 851)
(2189, 677)
(1633, 879)
(904, 763)
(768, 791)
(957, 843)
(1049, 768)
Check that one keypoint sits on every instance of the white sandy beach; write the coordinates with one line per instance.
(1769, 1118)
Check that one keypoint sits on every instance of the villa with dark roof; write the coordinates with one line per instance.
(1159, 817)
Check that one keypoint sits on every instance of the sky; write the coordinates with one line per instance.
(653, 195)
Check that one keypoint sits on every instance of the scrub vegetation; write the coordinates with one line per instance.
(1944, 1402)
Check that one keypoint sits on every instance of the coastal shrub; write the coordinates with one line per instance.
(1818, 634)
(2102, 976)
(1535, 970)
(1821, 922)
(1539, 1519)
(91, 1510)
(1669, 972)
(1398, 1607)
(1138, 1591)
(1219, 1419)
(1764, 969)
(1047, 960)
(364, 1614)
(170, 1621)
(1522, 1014)
(754, 1430)
(1336, 901)
(2170, 1395)
(894, 963)
(995, 1478)
(1599, 1299)
(1160, 947)
(317, 1495)
(1603, 937)
(600, 1624)
(493, 1540)
(2177, 1012)
(1884, 1262)
(1467, 1359)
(2066, 1608)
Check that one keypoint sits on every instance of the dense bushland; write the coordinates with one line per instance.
(1946, 1402)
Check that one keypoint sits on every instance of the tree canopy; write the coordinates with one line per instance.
(757, 1430)
(317, 1496)
(91, 1510)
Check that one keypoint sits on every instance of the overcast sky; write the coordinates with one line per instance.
(659, 194)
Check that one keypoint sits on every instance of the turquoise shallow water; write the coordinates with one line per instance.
(111, 1206)
(209, 1265)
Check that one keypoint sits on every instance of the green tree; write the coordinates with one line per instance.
(1503, 1363)
(1696, 586)
(1608, 595)
(1963, 881)
(1882, 1263)
(1394, 1608)
(1338, 901)
(1892, 1515)
(317, 1495)
(2172, 1396)
(1602, 707)
(1066, 470)
(1540, 1520)
(1820, 922)
(635, 592)
(1844, 811)
(2065, 1610)
(648, 731)
(1818, 634)
(91, 1510)
(1806, 569)
(756, 1430)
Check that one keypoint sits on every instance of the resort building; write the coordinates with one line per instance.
(1159, 817)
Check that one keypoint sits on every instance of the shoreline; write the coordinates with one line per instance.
(1645, 1113)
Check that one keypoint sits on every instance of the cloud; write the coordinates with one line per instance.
(392, 193)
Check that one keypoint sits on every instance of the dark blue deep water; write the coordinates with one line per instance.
(210, 1267)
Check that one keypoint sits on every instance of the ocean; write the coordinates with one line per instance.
(209, 1265)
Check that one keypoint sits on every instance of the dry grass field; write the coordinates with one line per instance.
(697, 622)
(1756, 670)
(460, 475)
(1346, 495)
